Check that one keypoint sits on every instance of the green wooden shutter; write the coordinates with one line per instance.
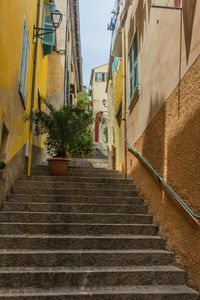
(24, 63)
(96, 76)
(48, 40)
(106, 76)
(134, 67)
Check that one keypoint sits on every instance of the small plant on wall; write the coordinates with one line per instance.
(2, 165)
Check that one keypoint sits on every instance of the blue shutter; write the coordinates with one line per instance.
(134, 67)
(48, 40)
(24, 63)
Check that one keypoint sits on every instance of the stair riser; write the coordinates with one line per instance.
(77, 179)
(78, 229)
(80, 171)
(73, 185)
(74, 218)
(71, 192)
(81, 199)
(75, 243)
(74, 208)
(80, 175)
(49, 279)
(81, 259)
(105, 296)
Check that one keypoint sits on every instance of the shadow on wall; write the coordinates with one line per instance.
(189, 8)
(140, 19)
(183, 164)
(153, 148)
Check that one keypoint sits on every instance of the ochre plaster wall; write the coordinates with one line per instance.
(12, 110)
(117, 101)
(171, 144)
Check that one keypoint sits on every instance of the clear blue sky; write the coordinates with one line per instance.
(95, 39)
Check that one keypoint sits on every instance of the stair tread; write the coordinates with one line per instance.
(81, 251)
(110, 290)
(75, 204)
(70, 213)
(91, 269)
(60, 236)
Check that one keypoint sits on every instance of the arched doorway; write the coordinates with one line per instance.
(97, 124)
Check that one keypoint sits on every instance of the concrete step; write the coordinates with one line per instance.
(42, 241)
(22, 277)
(74, 192)
(77, 228)
(110, 180)
(73, 185)
(75, 199)
(122, 292)
(53, 217)
(81, 258)
(74, 208)
(98, 172)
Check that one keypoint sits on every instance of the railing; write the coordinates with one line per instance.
(165, 184)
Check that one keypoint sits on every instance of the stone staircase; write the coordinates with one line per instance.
(87, 235)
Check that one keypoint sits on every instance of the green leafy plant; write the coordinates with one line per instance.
(61, 127)
(2, 165)
(82, 144)
(105, 132)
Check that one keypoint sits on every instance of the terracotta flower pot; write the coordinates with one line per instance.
(58, 166)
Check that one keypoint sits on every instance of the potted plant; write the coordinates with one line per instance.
(61, 126)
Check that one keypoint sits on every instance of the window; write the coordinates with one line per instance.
(24, 64)
(134, 67)
(48, 40)
(100, 77)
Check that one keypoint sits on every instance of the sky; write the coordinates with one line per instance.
(95, 39)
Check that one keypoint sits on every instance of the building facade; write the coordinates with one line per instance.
(31, 71)
(65, 66)
(158, 43)
(98, 80)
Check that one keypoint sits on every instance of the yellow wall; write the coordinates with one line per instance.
(11, 106)
(117, 101)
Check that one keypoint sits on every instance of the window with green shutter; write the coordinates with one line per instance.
(134, 67)
(24, 64)
(106, 76)
(48, 40)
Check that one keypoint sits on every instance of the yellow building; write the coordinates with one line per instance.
(65, 67)
(17, 47)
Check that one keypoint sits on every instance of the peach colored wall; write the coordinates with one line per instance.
(171, 144)
(99, 91)
(161, 58)
(164, 124)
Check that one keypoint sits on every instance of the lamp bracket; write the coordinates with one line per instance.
(37, 32)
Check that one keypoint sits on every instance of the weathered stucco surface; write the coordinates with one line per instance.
(171, 144)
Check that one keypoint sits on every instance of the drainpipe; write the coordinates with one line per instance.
(124, 152)
(33, 90)
(66, 79)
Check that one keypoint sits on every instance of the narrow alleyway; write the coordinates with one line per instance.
(72, 238)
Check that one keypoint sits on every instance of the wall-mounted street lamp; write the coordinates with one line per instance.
(56, 18)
